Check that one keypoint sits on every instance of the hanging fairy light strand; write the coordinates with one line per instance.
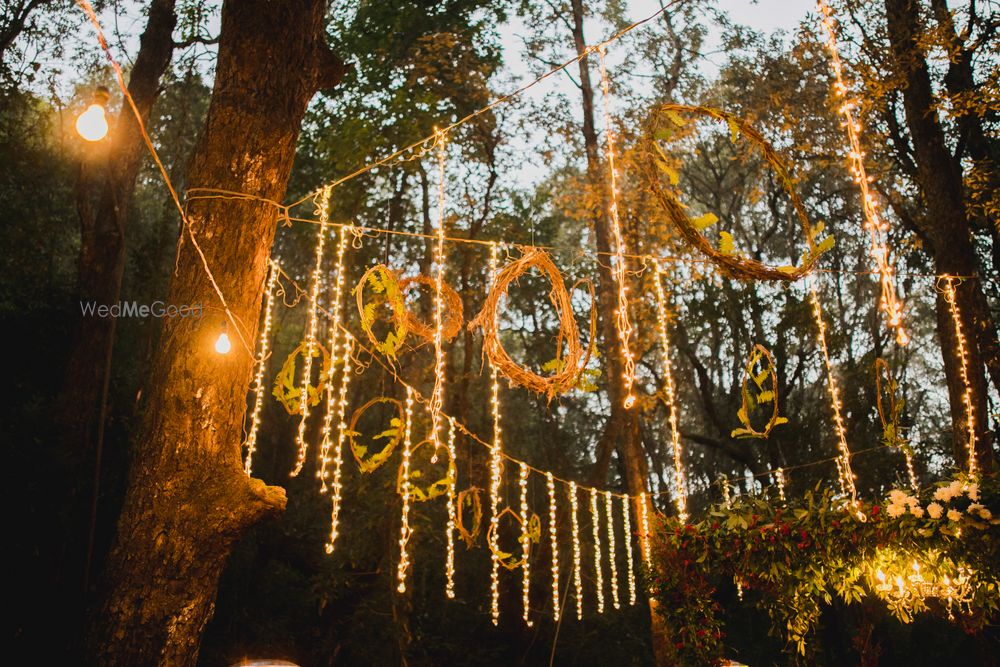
(844, 472)
(323, 206)
(262, 357)
(577, 557)
(877, 228)
(554, 544)
(622, 324)
(338, 456)
(525, 547)
(595, 522)
(644, 529)
(779, 478)
(948, 290)
(609, 515)
(496, 454)
(671, 395)
(404, 525)
(437, 397)
(629, 559)
(449, 564)
(334, 402)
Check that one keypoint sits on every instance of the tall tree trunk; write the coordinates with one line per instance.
(622, 428)
(188, 500)
(947, 228)
(102, 228)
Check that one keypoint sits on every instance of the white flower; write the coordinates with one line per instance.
(943, 494)
(897, 497)
(916, 510)
(895, 510)
(954, 515)
(973, 492)
(976, 508)
(935, 510)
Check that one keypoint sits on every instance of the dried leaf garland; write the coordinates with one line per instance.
(568, 368)
(470, 498)
(453, 313)
(508, 560)
(429, 490)
(760, 394)
(668, 119)
(287, 389)
(383, 282)
(392, 435)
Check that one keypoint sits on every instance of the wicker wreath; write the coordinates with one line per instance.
(763, 395)
(653, 164)
(430, 490)
(471, 498)
(287, 390)
(393, 434)
(452, 317)
(508, 560)
(383, 281)
(570, 367)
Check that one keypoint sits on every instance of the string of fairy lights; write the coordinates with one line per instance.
(343, 347)
(877, 228)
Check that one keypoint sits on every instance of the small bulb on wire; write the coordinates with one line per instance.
(92, 124)
(222, 344)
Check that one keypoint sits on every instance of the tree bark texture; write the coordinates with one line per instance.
(188, 500)
(112, 169)
(947, 230)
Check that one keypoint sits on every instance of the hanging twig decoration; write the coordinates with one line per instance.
(508, 560)
(288, 391)
(654, 164)
(430, 489)
(392, 435)
(383, 282)
(890, 412)
(571, 366)
(454, 317)
(765, 391)
(470, 498)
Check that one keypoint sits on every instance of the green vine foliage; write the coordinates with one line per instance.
(791, 560)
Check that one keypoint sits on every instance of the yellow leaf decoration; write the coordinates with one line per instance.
(384, 283)
(286, 387)
(703, 222)
(726, 243)
(469, 499)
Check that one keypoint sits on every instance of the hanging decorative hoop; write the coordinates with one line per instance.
(508, 560)
(287, 389)
(568, 368)
(654, 164)
(429, 491)
(383, 281)
(471, 498)
(393, 435)
(888, 415)
(453, 317)
(749, 401)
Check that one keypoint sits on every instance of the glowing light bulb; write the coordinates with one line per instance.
(92, 124)
(222, 344)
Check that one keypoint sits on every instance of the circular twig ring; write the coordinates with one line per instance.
(762, 395)
(469, 498)
(393, 435)
(568, 368)
(653, 164)
(382, 281)
(452, 315)
(287, 389)
(508, 560)
(428, 491)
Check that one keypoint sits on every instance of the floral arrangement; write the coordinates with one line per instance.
(938, 553)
